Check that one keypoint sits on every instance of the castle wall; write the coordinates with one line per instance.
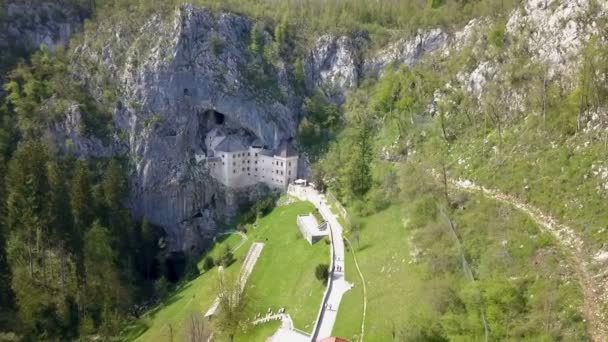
(246, 168)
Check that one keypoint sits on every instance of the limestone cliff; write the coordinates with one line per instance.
(178, 77)
(25, 25)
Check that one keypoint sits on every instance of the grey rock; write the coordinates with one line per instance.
(406, 51)
(28, 24)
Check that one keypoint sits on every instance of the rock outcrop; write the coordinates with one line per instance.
(25, 25)
(336, 64)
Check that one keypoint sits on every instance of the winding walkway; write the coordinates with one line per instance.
(252, 257)
(337, 284)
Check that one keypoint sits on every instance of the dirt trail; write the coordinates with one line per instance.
(595, 298)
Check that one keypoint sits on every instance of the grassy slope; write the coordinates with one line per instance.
(282, 277)
(194, 296)
(399, 291)
(389, 279)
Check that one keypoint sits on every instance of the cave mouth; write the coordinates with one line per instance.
(213, 117)
(219, 118)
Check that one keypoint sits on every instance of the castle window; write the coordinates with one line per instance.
(289, 172)
(256, 169)
(249, 174)
(289, 163)
(281, 163)
(249, 161)
(256, 154)
(248, 154)
(247, 169)
(256, 162)
(234, 171)
(233, 163)
(281, 173)
(243, 169)
(223, 163)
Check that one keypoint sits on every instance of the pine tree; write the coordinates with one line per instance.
(81, 199)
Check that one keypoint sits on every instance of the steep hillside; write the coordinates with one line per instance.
(514, 103)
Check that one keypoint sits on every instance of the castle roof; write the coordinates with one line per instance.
(231, 143)
(286, 150)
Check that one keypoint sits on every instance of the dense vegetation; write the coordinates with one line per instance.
(397, 129)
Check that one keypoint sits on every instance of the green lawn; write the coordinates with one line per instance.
(383, 256)
(283, 277)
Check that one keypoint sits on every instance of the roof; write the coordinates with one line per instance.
(286, 149)
(231, 143)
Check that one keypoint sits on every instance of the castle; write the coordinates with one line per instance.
(237, 163)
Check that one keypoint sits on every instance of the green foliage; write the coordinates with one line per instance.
(259, 209)
(322, 272)
(208, 263)
(497, 35)
(73, 260)
(191, 270)
(42, 92)
(226, 258)
(319, 125)
(217, 45)
(256, 38)
(162, 287)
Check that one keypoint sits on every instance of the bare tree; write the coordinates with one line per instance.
(197, 329)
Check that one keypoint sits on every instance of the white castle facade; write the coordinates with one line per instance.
(236, 164)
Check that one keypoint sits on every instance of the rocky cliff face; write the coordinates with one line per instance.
(336, 64)
(25, 25)
(182, 76)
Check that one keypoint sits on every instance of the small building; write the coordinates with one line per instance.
(311, 230)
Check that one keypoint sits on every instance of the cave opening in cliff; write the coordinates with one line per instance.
(219, 118)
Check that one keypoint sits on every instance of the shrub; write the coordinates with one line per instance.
(208, 263)
(497, 35)
(217, 45)
(322, 272)
(161, 287)
(227, 258)
(191, 271)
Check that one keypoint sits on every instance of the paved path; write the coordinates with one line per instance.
(243, 236)
(252, 257)
(337, 284)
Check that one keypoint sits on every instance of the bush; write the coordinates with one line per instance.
(191, 271)
(208, 263)
(497, 35)
(217, 45)
(227, 258)
(161, 287)
(322, 272)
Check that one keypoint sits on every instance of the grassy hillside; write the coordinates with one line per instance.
(416, 287)
(283, 277)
